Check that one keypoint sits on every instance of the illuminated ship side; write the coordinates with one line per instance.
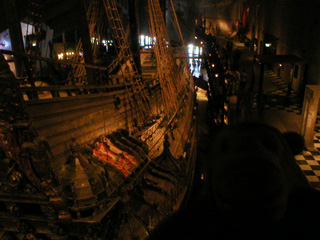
(103, 161)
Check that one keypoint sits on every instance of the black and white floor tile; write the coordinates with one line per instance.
(278, 99)
(309, 162)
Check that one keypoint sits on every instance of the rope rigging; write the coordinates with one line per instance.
(170, 78)
(95, 25)
(35, 9)
(133, 82)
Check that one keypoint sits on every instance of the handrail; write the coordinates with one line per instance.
(73, 87)
(74, 91)
(53, 60)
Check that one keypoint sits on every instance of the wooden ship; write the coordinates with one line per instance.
(105, 155)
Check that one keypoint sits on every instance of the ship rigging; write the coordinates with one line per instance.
(103, 151)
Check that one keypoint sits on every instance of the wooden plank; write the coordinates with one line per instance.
(60, 144)
(46, 109)
(85, 119)
(53, 119)
(67, 132)
(108, 88)
(70, 98)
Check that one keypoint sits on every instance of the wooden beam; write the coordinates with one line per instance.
(134, 33)
(15, 34)
(86, 41)
(53, 60)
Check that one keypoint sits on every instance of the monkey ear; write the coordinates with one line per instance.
(295, 142)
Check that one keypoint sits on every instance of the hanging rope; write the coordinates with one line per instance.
(170, 76)
(163, 55)
(35, 9)
(95, 25)
(134, 86)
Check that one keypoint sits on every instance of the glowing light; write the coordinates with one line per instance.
(34, 44)
(201, 42)
(196, 37)
(280, 65)
(217, 75)
(190, 50)
(212, 65)
(60, 56)
(196, 50)
(142, 40)
(3, 44)
(267, 44)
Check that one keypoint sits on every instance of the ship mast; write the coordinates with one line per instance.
(176, 24)
(91, 19)
(136, 90)
(134, 33)
(170, 78)
(86, 42)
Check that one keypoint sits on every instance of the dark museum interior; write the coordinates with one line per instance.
(159, 119)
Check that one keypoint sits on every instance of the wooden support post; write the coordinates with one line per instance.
(15, 34)
(309, 114)
(254, 63)
(134, 32)
(163, 5)
(17, 44)
(86, 42)
(64, 45)
(290, 80)
(260, 89)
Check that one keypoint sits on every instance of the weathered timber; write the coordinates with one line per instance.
(64, 118)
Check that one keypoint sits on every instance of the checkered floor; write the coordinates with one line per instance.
(277, 99)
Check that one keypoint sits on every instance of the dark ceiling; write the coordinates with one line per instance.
(57, 14)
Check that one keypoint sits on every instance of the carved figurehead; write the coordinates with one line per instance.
(37, 150)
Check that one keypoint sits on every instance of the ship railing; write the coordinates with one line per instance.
(70, 92)
(59, 92)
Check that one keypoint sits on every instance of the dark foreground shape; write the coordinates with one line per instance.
(255, 190)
